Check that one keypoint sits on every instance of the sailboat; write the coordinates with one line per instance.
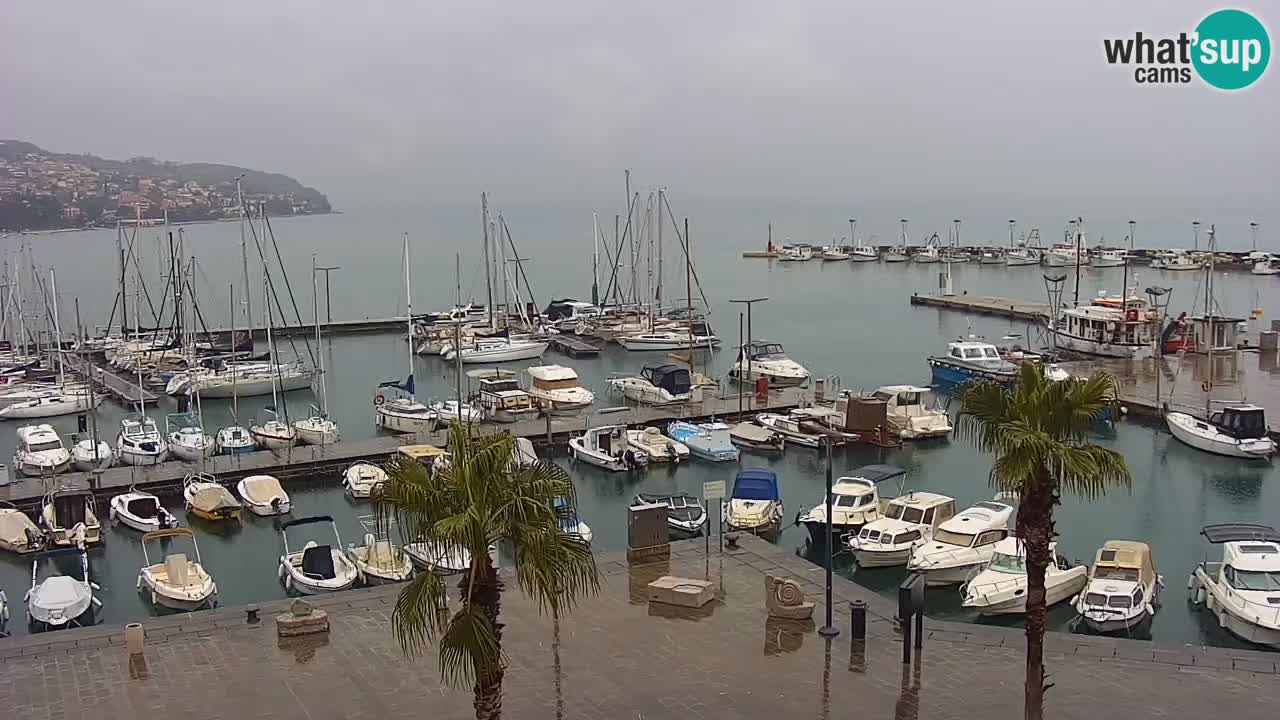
(318, 428)
(403, 413)
(235, 439)
(139, 442)
(275, 433)
(65, 399)
(185, 429)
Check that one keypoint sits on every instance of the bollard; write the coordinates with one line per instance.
(133, 638)
(251, 614)
(858, 619)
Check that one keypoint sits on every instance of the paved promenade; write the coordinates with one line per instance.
(616, 656)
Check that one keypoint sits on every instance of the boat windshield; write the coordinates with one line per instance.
(912, 515)
(41, 447)
(848, 501)
(1012, 564)
(948, 537)
(1116, 573)
(1253, 580)
(893, 512)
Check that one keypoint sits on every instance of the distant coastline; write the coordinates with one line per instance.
(149, 222)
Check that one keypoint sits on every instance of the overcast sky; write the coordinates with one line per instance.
(413, 101)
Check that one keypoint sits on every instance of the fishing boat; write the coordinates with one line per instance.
(316, 568)
(686, 515)
(205, 498)
(971, 360)
(606, 446)
(929, 254)
(991, 256)
(1178, 261)
(656, 447)
(657, 384)
(1000, 588)
(1107, 327)
(87, 455)
(1021, 256)
(569, 522)
(962, 545)
(855, 501)
(795, 253)
(69, 517)
(556, 389)
(668, 340)
(1109, 258)
(754, 505)
(762, 359)
(438, 557)
(186, 437)
(897, 254)
(17, 533)
(263, 495)
(58, 601)
(907, 523)
(757, 438)
(911, 415)
(176, 582)
(708, 441)
(789, 427)
(39, 452)
(1072, 253)
(1243, 590)
(1123, 589)
(361, 480)
(141, 511)
(380, 561)
(864, 253)
(834, 253)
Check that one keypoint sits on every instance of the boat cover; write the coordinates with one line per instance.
(756, 484)
(317, 562)
(16, 528)
(878, 473)
(212, 499)
(68, 510)
(672, 378)
(143, 507)
(262, 489)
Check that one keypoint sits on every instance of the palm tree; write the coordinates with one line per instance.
(478, 499)
(1038, 431)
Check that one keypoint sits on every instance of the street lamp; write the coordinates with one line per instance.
(328, 309)
(744, 375)
(828, 630)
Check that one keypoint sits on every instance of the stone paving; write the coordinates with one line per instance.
(616, 656)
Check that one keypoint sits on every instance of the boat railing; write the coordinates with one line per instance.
(955, 556)
(1258, 613)
(988, 588)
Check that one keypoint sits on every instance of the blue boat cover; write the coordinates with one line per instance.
(756, 484)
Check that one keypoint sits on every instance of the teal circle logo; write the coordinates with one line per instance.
(1231, 49)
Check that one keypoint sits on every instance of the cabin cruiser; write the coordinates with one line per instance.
(897, 254)
(1123, 589)
(380, 561)
(316, 568)
(69, 517)
(176, 582)
(87, 456)
(968, 360)
(658, 448)
(556, 389)
(1109, 258)
(686, 515)
(908, 522)
(361, 480)
(40, 452)
(855, 501)
(263, 495)
(235, 440)
(607, 446)
(669, 340)
(657, 384)
(768, 360)
(61, 600)
(789, 427)
(1001, 587)
(1107, 327)
(17, 533)
(1265, 265)
(274, 434)
(448, 411)
(141, 511)
(834, 253)
(439, 558)
(909, 416)
(564, 315)
(186, 437)
(140, 443)
(709, 441)
(501, 398)
(795, 253)
(963, 544)
(864, 253)
(1243, 590)
(754, 506)
(1235, 431)
(205, 498)
(757, 438)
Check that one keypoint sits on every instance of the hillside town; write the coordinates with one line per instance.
(40, 190)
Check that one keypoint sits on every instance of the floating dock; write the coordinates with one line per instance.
(985, 305)
(574, 346)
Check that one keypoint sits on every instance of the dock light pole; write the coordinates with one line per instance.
(829, 630)
(328, 308)
(742, 349)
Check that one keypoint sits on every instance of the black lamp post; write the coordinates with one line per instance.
(829, 630)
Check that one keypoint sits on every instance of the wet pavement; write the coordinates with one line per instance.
(618, 656)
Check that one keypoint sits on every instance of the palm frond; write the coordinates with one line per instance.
(468, 646)
(416, 620)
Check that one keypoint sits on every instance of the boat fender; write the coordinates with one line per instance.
(1205, 386)
(154, 598)
(139, 583)
(379, 399)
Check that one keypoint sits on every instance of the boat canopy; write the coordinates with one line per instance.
(1126, 560)
(551, 373)
(1241, 422)
(306, 521)
(213, 498)
(672, 378)
(16, 528)
(878, 473)
(756, 484)
(1239, 532)
(763, 350)
(421, 453)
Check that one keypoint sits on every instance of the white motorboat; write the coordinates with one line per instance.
(1021, 256)
(177, 582)
(58, 601)
(316, 568)
(205, 498)
(316, 429)
(1238, 431)
(380, 561)
(235, 440)
(556, 389)
(17, 533)
(1243, 590)
(1107, 327)
(1123, 589)
(864, 253)
(657, 384)
(962, 545)
(499, 350)
(686, 515)
(70, 518)
(52, 405)
(40, 452)
(606, 446)
(757, 438)
(969, 359)
(140, 443)
(834, 253)
(655, 446)
(1001, 587)
(451, 410)
(897, 254)
(908, 522)
(1177, 260)
(1266, 266)
(263, 495)
(361, 480)
(403, 415)
(929, 254)
(670, 340)
(186, 437)
(991, 256)
(709, 441)
(795, 253)
(274, 434)
(911, 415)
(570, 523)
(439, 558)
(754, 505)
(141, 511)
(789, 427)
(855, 501)
(86, 455)
(761, 359)
(1109, 258)
(1069, 254)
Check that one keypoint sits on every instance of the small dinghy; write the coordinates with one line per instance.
(789, 427)
(657, 447)
(59, 601)
(208, 500)
(17, 533)
(755, 505)
(263, 495)
(70, 517)
(177, 583)
(380, 562)
(141, 511)
(570, 523)
(751, 436)
(686, 515)
(315, 568)
(709, 441)
(441, 559)
(361, 480)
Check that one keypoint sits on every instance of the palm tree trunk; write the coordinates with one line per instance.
(487, 595)
(1035, 527)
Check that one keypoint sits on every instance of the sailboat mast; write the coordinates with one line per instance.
(235, 396)
(87, 368)
(661, 201)
(1208, 313)
(408, 304)
(1076, 297)
(137, 339)
(488, 259)
(57, 328)
(267, 316)
(688, 287)
(595, 259)
(315, 312)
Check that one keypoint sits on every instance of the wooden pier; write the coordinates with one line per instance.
(122, 387)
(574, 346)
(985, 305)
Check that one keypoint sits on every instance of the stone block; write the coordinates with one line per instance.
(302, 619)
(653, 553)
(682, 592)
